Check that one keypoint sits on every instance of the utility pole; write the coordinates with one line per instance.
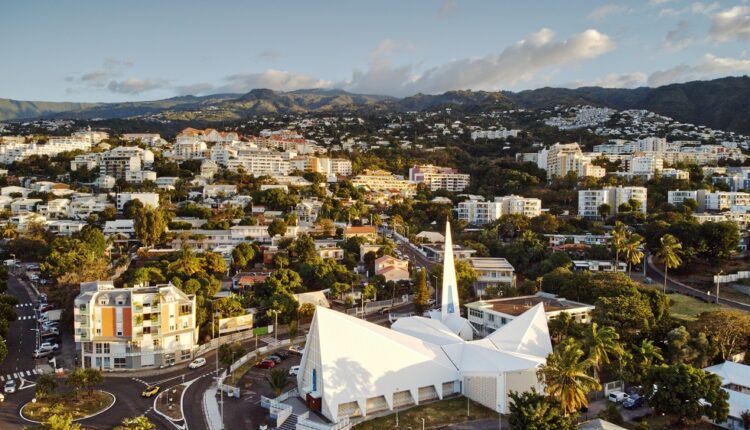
(718, 282)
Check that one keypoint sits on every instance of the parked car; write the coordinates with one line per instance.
(633, 402)
(296, 349)
(150, 391)
(266, 364)
(617, 396)
(275, 358)
(50, 332)
(10, 386)
(41, 353)
(282, 354)
(198, 362)
(45, 308)
(49, 345)
(293, 371)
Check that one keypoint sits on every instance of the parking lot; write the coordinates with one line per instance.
(246, 412)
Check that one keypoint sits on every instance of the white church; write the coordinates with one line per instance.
(352, 368)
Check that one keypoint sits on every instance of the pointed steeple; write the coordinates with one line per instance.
(449, 297)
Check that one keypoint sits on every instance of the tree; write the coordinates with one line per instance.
(243, 255)
(9, 231)
(619, 235)
(686, 391)
(149, 224)
(3, 346)
(604, 210)
(631, 251)
(277, 227)
(565, 376)
(45, 385)
(745, 417)
(136, 423)
(214, 264)
(601, 344)
(631, 314)
(228, 353)
(92, 377)
(727, 329)
(532, 411)
(187, 262)
(669, 254)
(278, 380)
(421, 292)
(76, 380)
(62, 421)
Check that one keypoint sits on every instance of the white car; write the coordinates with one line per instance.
(198, 362)
(49, 345)
(617, 396)
(10, 386)
(293, 371)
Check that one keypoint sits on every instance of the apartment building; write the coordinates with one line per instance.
(148, 199)
(381, 180)
(439, 178)
(119, 162)
(260, 163)
(483, 212)
(492, 272)
(133, 328)
(710, 201)
(489, 315)
(189, 148)
(140, 176)
(324, 165)
(589, 201)
(561, 159)
(88, 161)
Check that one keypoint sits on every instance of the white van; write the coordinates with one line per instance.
(617, 396)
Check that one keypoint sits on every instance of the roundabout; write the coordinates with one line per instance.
(80, 407)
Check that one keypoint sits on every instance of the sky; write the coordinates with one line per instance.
(112, 51)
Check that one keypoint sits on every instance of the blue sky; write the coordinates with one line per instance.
(143, 50)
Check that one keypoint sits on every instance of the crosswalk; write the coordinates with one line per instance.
(26, 317)
(18, 375)
(24, 305)
(269, 340)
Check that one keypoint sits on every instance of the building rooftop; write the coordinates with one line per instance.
(518, 305)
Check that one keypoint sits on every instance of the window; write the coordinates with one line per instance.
(119, 333)
(184, 324)
(120, 363)
(491, 317)
(177, 338)
(146, 330)
(185, 354)
(98, 348)
(156, 342)
(185, 309)
(106, 348)
(82, 307)
(98, 332)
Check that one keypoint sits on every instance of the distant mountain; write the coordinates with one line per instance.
(721, 103)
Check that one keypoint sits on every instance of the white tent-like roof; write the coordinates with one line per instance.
(427, 329)
(527, 334)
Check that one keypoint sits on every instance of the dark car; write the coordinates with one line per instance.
(282, 354)
(633, 402)
(266, 364)
(275, 358)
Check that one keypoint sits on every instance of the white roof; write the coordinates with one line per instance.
(527, 334)
(427, 329)
(734, 373)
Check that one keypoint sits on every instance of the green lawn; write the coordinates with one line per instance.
(436, 415)
(687, 308)
(78, 406)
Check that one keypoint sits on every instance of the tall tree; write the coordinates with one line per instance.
(601, 345)
(631, 251)
(532, 411)
(278, 380)
(149, 224)
(45, 385)
(728, 330)
(686, 391)
(421, 292)
(277, 227)
(566, 378)
(669, 254)
(619, 235)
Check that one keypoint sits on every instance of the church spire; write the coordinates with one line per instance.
(449, 297)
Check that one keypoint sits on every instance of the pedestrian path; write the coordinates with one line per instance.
(269, 340)
(211, 408)
(18, 375)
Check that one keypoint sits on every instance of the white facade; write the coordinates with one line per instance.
(589, 201)
(148, 199)
(439, 178)
(482, 212)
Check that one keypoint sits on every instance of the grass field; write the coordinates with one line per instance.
(436, 415)
(687, 308)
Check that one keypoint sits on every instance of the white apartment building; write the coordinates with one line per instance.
(139, 176)
(489, 315)
(307, 211)
(189, 148)
(24, 205)
(492, 272)
(682, 175)
(81, 207)
(211, 191)
(560, 159)
(89, 161)
(324, 165)
(260, 163)
(209, 168)
(381, 180)
(133, 328)
(12, 152)
(119, 162)
(710, 201)
(148, 199)
(500, 133)
(483, 212)
(645, 165)
(55, 209)
(150, 139)
(439, 178)
(589, 201)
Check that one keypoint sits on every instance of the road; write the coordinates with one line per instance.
(658, 277)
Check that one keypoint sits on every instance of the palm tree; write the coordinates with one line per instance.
(648, 354)
(619, 235)
(9, 231)
(669, 254)
(278, 380)
(745, 416)
(601, 344)
(631, 251)
(187, 262)
(566, 378)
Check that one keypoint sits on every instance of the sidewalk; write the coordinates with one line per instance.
(211, 410)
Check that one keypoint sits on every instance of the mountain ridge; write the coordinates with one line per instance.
(719, 103)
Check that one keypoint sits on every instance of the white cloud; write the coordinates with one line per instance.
(195, 89)
(133, 86)
(447, 8)
(606, 10)
(657, 2)
(709, 67)
(695, 8)
(621, 80)
(111, 69)
(678, 38)
(279, 80)
(733, 23)
(520, 62)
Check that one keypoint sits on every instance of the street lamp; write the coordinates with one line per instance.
(275, 324)
(718, 282)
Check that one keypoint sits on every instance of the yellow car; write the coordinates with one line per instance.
(150, 391)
